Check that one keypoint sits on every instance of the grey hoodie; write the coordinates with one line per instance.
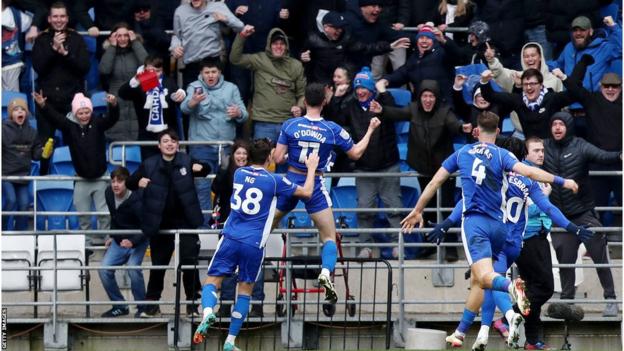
(198, 32)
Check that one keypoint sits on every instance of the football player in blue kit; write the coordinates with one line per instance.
(521, 192)
(298, 138)
(482, 167)
(245, 234)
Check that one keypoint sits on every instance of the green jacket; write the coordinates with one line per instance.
(279, 83)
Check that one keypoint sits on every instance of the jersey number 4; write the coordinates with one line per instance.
(250, 204)
(305, 147)
(478, 171)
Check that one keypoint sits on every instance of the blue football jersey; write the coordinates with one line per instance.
(304, 135)
(517, 209)
(482, 168)
(253, 204)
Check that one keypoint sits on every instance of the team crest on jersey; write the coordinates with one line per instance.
(183, 171)
(344, 134)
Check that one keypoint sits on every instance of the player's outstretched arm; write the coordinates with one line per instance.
(358, 149)
(415, 217)
(311, 162)
(544, 177)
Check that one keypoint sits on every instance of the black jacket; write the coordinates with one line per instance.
(20, 145)
(107, 13)
(222, 188)
(603, 116)
(327, 55)
(534, 123)
(470, 113)
(60, 77)
(126, 216)
(570, 158)
(87, 144)
(171, 193)
(430, 133)
(423, 11)
(436, 64)
(382, 151)
(396, 11)
(365, 32)
(506, 21)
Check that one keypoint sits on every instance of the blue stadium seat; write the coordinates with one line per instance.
(98, 98)
(402, 151)
(402, 131)
(56, 195)
(405, 167)
(132, 157)
(61, 162)
(7, 96)
(508, 127)
(345, 196)
(298, 220)
(402, 97)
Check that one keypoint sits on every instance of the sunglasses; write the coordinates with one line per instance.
(612, 86)
(142, 9)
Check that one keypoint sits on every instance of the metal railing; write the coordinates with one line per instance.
(403, 264)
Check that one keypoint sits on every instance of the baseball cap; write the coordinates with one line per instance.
(581, 22)
(334, 19)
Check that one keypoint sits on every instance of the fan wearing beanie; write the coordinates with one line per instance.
(85, 138)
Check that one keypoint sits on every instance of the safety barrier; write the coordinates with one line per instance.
(35, 271)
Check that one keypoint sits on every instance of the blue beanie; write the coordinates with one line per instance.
(364, 79)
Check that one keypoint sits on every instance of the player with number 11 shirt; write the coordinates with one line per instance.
(311, 134)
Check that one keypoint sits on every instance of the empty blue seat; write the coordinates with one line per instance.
(402, 151)
(402, 97)
(508, 127)
(98, 98)
(344, 196)
(7, 96)
(61, 162)
(298, 220)
(132, 157)
(55, 195)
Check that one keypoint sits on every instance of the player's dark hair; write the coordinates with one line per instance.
(315, 94)
(59, 5)
(121, 173)
(513, 145)
(171, 133)
(260, 151)
(532, 72)
(488, 121)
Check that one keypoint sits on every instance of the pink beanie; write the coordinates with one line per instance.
(81, 101)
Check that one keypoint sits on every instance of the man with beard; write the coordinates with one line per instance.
(604, 50)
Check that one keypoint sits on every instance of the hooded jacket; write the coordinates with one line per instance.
(126, 216)
(209, 119)
(279, 83)
(604, 117)
(570, 158)
(504, 76)
(87, 144)
(430, 133)
(603, 50)
(534, 123)
(20, 145)
(327, 55)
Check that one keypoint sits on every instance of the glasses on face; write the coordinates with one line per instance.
(530, 84)
(612, 86)
(141, 10)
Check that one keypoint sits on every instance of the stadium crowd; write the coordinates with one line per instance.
(236, 70)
